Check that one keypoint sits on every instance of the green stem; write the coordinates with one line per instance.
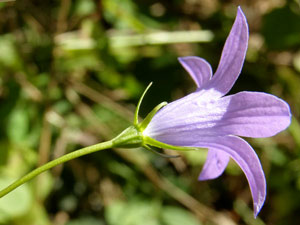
(55, 162)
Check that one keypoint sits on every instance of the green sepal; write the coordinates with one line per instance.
(142, 126)
(152, 149)
(136, 114)
(133, 136)
(152, 142)
(129, 138)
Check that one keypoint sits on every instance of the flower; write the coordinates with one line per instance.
(208, 119)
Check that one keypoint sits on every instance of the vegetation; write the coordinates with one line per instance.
(71, 73)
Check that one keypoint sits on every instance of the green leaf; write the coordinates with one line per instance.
(84, 7)
(195, 158)
(123, 14)
(9, 55)
(173, 216)
(15, 204)
(18, 125)
(86, 221)
(133, 213)
(45, 183)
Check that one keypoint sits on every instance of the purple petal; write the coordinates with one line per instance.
(215, 165)
(232, 58)
(251, 114)
(243, 154)
(254, 114)
(198, 69)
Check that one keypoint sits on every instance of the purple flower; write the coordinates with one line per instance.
(208, 119)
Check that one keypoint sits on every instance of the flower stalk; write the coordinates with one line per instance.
(55, 162)
(132, 137)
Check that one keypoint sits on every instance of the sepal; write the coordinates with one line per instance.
(129, 138)
(152, 142)
(142, 126)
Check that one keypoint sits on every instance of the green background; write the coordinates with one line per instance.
(71, 73)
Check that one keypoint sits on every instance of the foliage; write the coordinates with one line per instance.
(71, 73)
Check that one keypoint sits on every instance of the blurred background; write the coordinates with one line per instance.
(71, 73)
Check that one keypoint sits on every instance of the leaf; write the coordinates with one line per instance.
(86, 221)
(9, 55)
(18, 125)
(173, 216)
(84, 7)
(16, 203)
(133, 213)
(45, 183)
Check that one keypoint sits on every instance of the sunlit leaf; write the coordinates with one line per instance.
(132, 213)
(174, 216)
(18, 125)
(85, 221)
(9, 56)
(16, 203)
(84, 7)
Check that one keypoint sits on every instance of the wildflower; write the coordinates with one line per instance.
(204, 119)
(208, 119)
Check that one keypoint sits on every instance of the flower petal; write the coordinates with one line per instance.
(232, 58)
(244, 155)
(198, 68)
(254, 114)
(215, 165)
(250, 114)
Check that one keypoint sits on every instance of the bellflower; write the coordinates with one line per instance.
(205, 118)
(208, 119)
